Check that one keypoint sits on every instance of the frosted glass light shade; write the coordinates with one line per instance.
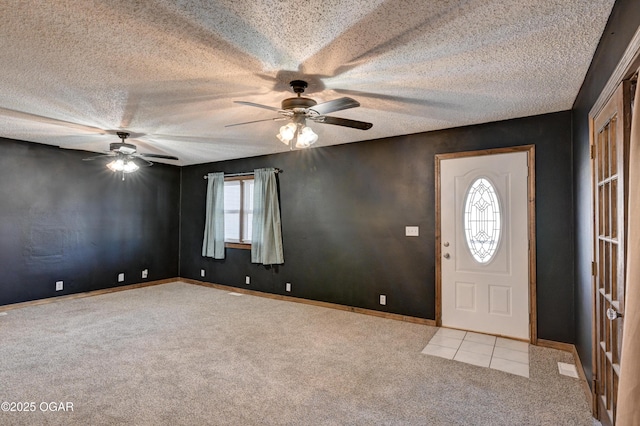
(287, 132)
(306, 137)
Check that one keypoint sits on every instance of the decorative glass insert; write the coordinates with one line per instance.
(482, 220)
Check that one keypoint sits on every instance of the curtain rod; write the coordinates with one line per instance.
(239, 174)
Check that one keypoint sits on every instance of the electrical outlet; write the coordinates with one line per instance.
(411, 231)
(145, 273)
(59, 285)
(383, 299)
(121, 277)
(202, 272)
(247, 280)
(287, 286)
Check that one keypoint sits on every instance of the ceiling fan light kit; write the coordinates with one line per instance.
(123, 165)
(296, 133)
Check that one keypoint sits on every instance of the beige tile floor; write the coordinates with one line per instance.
(483, 350)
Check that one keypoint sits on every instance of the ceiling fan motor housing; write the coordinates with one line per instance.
(300, 102)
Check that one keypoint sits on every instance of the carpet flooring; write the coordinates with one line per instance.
(183, 354)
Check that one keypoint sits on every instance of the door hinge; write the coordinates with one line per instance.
(594, 269)
(592, 151)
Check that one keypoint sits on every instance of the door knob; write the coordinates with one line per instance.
(612, 314)
(446, 255)
(446, 244)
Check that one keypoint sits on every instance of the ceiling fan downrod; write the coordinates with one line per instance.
(122, 135)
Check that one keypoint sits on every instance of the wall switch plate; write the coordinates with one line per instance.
(411, 231)
(121, 277)
(145, 273)
(59, 285)
(383, 299)
(287, 286)
(202, 272)
(247, 280)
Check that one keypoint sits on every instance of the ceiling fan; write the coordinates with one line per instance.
(125, 155)
(299, 109)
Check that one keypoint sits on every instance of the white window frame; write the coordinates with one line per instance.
(246, 209)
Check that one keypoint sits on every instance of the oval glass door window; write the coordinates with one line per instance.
(482, 220)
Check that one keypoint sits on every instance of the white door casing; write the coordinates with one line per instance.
(486, 296)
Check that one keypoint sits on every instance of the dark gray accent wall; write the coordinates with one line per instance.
(622, 25)
(344, 209)
(64, 219)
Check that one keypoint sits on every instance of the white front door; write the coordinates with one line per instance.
(484, 244)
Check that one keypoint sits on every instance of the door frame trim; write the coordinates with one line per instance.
(627, 65)
(531, 210)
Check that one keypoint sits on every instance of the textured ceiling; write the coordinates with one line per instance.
(75, 71)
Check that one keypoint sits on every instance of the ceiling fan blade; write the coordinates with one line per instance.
(257, 105)
(257, 121)
(344, 122)
(95, 157)
(166, 157)
(145, 163)
(335, 105)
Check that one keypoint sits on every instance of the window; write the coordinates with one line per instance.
(482, 220)
(238, 209)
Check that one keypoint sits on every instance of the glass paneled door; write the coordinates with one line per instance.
(609, 152)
